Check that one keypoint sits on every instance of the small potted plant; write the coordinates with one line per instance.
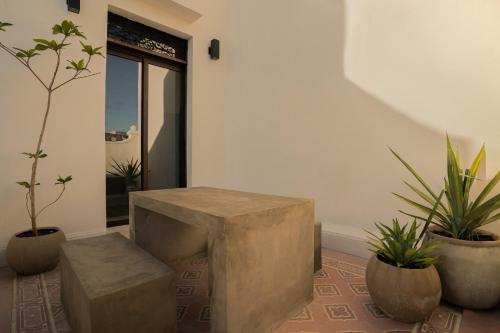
(37, 250)
(401, 276)
(130, 171)
(469, 264)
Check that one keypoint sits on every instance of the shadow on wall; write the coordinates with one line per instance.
(299, 127)
(163, 129)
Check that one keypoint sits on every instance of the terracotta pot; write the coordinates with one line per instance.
(469, 270)
(28, 255)
(403, 294)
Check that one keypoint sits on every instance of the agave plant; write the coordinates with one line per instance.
(403, 248)
(129, 170)
(399, 247)
(461, 216)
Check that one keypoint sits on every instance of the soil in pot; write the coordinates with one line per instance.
(27, 254)
(469, 270)
(403, 294)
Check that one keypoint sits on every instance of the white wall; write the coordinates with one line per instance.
(304, 101)
(123, 151)
(78, 112)
(323, 87)
(437, 62)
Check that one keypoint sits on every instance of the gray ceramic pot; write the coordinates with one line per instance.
(28, 255)
(469, 270)
(403, 294)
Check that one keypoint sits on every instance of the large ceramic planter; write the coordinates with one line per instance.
(28, 255)
(469, 270)
(403, 294)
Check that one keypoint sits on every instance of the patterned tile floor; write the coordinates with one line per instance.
(341, 304)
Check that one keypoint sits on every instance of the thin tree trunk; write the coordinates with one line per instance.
(35, 165)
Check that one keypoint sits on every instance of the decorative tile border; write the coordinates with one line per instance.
(339, 312)
(38, 309)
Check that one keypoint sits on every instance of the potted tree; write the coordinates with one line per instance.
(469, 264)
(37, 250)
(401, 276)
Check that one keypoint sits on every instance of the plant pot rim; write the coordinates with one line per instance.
(470, 243)
(57, 229)
(401, 268)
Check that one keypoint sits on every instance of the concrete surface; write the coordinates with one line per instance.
(7, 277)
(260, 249)
(317, 246)
(108, 284)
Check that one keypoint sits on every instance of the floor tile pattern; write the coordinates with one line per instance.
(341, 303)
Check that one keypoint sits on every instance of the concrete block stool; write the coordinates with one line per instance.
(109, 284)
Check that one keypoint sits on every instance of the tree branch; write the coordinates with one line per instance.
(25, 63)
(53, 202)
(76, 77)
(27, 203)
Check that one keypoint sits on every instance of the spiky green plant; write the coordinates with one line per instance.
(129, 170)
(402, 248)
(462, 216)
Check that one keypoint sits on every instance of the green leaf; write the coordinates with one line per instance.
(63, 180)
(39, 154)
(57, 29)
(67, 26)
(30, 53)
(41, 41)
(487, 189)
(462, 216)
(398, 246)
(91, 51)
(41, 47)
(416, 175)
(24, 184)
(423, 208)
(68, 29)
(3, 25)
(431, 216)
(77, 66)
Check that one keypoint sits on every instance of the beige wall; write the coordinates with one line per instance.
(325, 86)
(304, 101)
(81, 124)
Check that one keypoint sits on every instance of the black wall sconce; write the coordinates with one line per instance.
(214, 49)
(73, 6)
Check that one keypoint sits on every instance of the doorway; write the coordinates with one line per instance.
(145, 113)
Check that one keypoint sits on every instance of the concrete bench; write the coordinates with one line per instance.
(109, 284)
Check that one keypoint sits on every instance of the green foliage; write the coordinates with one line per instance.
(68, 29)
(399, 247)
(3, 25)
(77, 66)
(461, 216)
(44, 44)
(130, 170)
(63, 180)
(28, 54)
(40, 154)
(90, 50)
(26, 184)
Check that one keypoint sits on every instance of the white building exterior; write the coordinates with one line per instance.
(304, 101)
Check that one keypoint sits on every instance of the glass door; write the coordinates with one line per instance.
(123, 135)
(145, 127)
(164, 117)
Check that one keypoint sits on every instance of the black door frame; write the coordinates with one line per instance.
(146, 58)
